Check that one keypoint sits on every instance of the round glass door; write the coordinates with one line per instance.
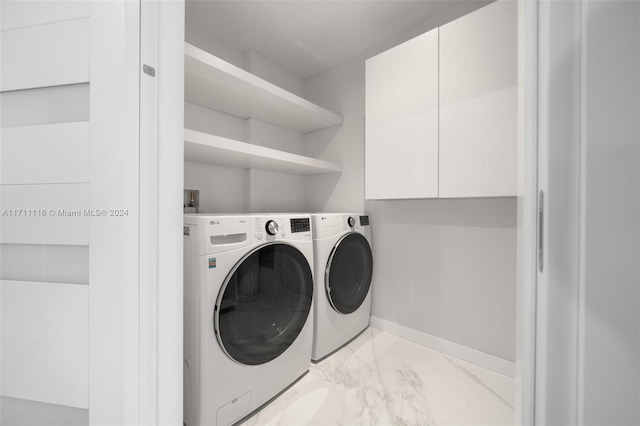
(263, 304)
(349, 272)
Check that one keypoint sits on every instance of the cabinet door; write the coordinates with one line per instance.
(401, 140)
(478, 103)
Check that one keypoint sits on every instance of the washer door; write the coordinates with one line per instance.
(348, 274)
(263, 304)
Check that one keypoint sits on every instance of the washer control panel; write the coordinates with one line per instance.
(272, 228)
(218, 233)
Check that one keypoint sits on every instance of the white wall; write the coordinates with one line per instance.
(447, 268)
(339, 89)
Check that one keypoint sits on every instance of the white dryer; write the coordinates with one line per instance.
(248, 289)
(344, 268)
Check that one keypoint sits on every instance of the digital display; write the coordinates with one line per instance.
(300, 225)
(364, 220)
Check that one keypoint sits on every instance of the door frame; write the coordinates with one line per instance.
(161, 189)
(136, 163)
(527, 211)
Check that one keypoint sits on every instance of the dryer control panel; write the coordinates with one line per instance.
(354, 222)
(331, 224)
(213, 234)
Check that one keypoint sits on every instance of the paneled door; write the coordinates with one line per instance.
(79, 139)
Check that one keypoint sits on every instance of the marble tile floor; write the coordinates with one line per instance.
(377, 379)
(22, 412)
(381, 379)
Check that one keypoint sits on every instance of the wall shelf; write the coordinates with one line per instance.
(215, 150)
(217, 84)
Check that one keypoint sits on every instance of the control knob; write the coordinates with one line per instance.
(351, 222)
(271, 227)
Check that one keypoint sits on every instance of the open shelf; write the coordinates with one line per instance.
(215, 150)
(217, 84)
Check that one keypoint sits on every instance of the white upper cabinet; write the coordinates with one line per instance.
(478, 103)
(401, 155)
(441, 111)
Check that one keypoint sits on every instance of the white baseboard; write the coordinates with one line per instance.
(465, 353)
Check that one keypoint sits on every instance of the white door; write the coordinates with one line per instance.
(588, 298)
(79, 304)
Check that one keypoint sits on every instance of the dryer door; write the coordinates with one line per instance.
(348, 274)
(263, 304)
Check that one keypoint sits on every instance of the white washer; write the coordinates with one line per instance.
(248, 290)
(344, 268)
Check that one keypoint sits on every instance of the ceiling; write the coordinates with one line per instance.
(308, 36)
